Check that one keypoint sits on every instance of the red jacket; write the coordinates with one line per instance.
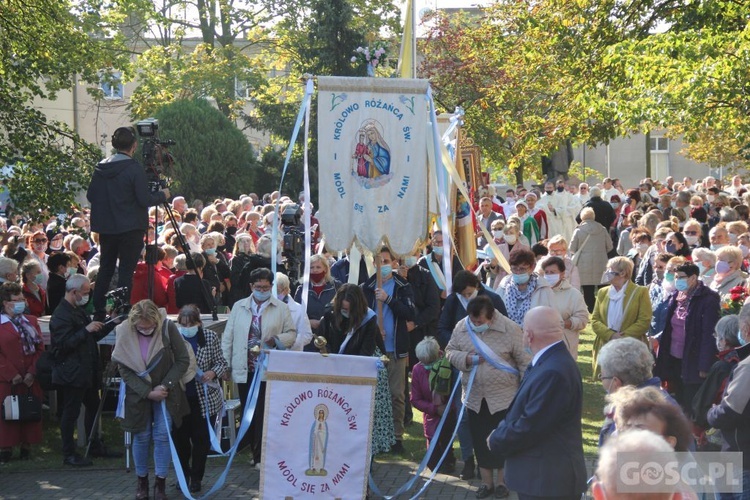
(171, 295)
(35, 305)
(140, 286)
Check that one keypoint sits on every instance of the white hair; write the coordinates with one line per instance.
(75, 282)
(8, 266)
(282, 282)
(428, 350)
(627, 359)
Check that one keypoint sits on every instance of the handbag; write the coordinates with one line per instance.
(22, 408)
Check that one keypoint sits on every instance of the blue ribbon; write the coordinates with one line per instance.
(423, 464)
(482, 352)
(247, 417)
(213, 438)
(431, 267)
(120, 411)
(275, 231)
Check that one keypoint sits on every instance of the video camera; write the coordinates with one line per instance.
(118, 301)
(156, 158)
(294, 241)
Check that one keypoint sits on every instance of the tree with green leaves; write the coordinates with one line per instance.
(46, 47)
(213, 157)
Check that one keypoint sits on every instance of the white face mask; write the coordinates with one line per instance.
(552, 279)
(510, 238)
(497, 235)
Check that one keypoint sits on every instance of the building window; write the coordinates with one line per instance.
(660, 144)
(111, 85)
(242, 89)
(659, 147)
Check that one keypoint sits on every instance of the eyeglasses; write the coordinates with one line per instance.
(602, 377)
(691, 233)
(40, 240)
(262, 288)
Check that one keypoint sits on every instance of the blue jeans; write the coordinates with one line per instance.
(745, 495)
(464, 431)
(159, 431)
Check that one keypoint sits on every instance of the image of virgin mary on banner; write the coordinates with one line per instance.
(372, 158)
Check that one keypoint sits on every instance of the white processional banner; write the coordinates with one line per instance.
(317, 425)
(372, 161)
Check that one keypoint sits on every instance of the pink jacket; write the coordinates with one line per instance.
(424, 400)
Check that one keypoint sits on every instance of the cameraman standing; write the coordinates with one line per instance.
(120, 197)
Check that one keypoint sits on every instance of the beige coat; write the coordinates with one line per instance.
(498, 387)
(276, 321)
(593, 259)
(570, 304)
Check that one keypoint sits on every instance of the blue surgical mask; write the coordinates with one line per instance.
(19, 307)
(39, 279)
(741, 339)
(521, 279)
(386, 270)
(437, 250)
(669, 277)
(681, 284)
(261, 296)
(410, 261)
(344, 313)
(71, 272)
(701, 267)
(188, 331)
(210, 251)
(479, 328)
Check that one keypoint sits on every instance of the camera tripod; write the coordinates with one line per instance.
(152, 257)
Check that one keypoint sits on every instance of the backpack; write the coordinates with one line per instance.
(440, 377)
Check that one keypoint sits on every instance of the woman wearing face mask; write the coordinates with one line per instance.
(321, 290)
(243, 249)
(20, 347)
(623, 309)
(693, 232)
(676, 244)
(37, 242)
(152, 358)
(686, 346)
(528, 223)
(503, 235)
(260, 259)
(568, 301)
(498, 337)
(210, 270)
(59, 271)
(658, 292)
(523, 289)
(261, 321)
(192, 237)
(36, 297)
(203, 394)
(728, 271)
(715, 382)
(641, 240)
(705, 259)
(590, 245)
(55, 241)
(351, 327)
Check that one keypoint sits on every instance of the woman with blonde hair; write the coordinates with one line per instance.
(623, 309)
(729, 272)
(558, 247)
(590, 245)
(152, 358)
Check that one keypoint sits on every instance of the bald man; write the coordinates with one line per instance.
(541, 438)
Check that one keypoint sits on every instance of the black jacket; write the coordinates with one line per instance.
(55, 291)
(604, 214)
(402, 305)
(364, 339)
(187, 290)
(427, 304)
(120, 197)
(256, 261)
(317, 304)
(76, 356)
(453, 312)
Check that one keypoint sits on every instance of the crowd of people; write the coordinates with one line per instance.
(659, 271)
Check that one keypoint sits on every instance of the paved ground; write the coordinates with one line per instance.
(242, 483)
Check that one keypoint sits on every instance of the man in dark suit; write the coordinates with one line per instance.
(604, 214)
(541, 437)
